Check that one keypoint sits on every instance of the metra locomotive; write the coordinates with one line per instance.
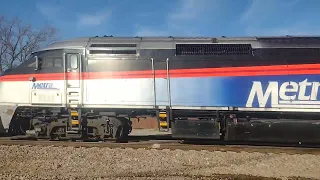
(246, 88)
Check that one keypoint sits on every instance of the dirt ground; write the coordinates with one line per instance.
(37, 162)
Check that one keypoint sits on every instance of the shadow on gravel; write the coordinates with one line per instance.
(250, 143)
(149, 138)
(215, 176)
(220, 142)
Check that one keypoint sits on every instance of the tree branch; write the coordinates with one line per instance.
(18, 40)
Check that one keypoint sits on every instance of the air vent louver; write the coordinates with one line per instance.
(213, 49)
(113, 45)
(112, 52)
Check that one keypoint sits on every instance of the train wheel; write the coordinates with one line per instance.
(121, 128)
(121, 135)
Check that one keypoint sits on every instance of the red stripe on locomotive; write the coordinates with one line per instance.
(176, 73)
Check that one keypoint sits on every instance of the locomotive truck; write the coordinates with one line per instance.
(226, 88)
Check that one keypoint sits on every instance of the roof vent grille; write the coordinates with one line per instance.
(213, 49)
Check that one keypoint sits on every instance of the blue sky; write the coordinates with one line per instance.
(170, 17)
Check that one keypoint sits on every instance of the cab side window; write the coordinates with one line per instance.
(51, 61)
(57, 62)
(47, 62)
(51, 64)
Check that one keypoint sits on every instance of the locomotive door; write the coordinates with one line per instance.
(73, 79)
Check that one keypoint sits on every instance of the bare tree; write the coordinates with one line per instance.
(18, 40)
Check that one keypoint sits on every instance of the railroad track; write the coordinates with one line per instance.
(171, 145)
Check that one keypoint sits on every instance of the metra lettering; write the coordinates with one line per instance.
(288, 94)
(42, 86)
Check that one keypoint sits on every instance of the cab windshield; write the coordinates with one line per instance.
(30, 62)
(49, 59)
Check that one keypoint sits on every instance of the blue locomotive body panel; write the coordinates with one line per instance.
(282, 91)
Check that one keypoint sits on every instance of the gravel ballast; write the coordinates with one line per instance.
(38, 162)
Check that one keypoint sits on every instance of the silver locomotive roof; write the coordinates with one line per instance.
(108, 42)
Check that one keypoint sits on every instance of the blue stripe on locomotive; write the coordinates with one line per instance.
(235, 91)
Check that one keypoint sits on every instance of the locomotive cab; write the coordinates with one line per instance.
(45, 90)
